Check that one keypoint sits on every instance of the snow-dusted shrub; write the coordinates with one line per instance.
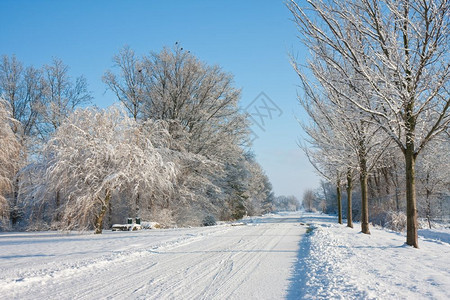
(150, 225)
(40, 226)
(189, 214)
(209, 221)
(164, 217)
(395, 221)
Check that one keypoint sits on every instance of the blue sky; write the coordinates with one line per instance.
(250, 39)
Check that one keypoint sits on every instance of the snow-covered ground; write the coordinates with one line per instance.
(272, 257)
(251, 261)
(337, 262)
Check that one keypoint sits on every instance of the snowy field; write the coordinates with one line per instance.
(272, 257)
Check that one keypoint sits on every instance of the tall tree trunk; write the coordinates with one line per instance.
(364, 204)
(101, 214)
(411, 206)
(364, 196)
(409, 150)
(339, 200)
(349, 199)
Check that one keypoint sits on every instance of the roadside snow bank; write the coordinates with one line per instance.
(345, 264)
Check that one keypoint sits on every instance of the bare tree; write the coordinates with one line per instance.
(399, 49)
(174, 85)
(128, 85)
(61, 97)
(23, 89)
(346, 143)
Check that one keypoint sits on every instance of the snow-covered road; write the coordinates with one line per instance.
(285, 256)
(253, 261)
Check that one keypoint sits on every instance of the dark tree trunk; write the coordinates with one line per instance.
(364, 197)
(349, 200)
(411, 206)
(339, 201)
(101, 214)
(363, 177)
(409, 150)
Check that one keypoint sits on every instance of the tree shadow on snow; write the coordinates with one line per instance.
(297, 282)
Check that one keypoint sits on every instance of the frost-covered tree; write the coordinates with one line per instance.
(95, 153)
(286, 203)
(22, 89)
(325, 151)
(9, 158)
(341, 132)
(308, 200)
(245, 189)
(260, 192)
(40, 99)
(399, 51)
(331, 153)
(200, 104)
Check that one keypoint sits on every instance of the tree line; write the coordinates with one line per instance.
(376, 89)
(174, 149)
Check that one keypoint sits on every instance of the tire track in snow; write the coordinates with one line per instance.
(57, 277)
(223, 281)
(251, 265)
(202, 268)
(127, 276)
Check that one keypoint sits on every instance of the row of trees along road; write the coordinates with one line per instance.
(173, 150)
(381, 82)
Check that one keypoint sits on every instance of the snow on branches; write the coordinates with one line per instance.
(393, 56)
(96, 152)
(9, 154)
